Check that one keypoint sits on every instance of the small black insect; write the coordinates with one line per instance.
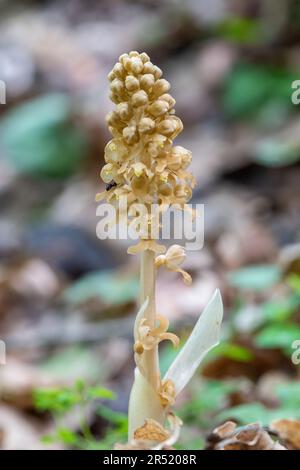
(110, 185)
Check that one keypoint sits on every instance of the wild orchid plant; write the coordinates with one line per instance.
(143, 165)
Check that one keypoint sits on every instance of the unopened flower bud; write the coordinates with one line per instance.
(111, 76)
(119, 70)
(140, 98)
(113, 97)
(130, 134)
(136, 65)
(134, 54)
(117, 86)
(165, 189)
(167, 127)
(158, 108)
(144, 57)
(146, 125)
(147, 81)
(131, 83)
(148, 67)
(161, 87)
(113, 119)
(169, 99)
(157, 72)
(124, 111)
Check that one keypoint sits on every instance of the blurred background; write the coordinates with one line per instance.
(67, 299)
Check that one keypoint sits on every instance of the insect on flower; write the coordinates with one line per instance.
(110, 185)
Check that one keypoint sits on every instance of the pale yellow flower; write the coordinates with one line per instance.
(147, 338)
(172, 260)
(167, 393)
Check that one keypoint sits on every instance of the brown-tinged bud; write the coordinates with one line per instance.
(175, 163)
(127, 64)
(146, 126)
(165, 189)
(140, 98)
(183, 192)
(111, 76)
(117, 86)
(148, 67)
(144, 57)
(157, 72)
(122, 58)
(132, 83)
(119, 70)
(113, 97)
(136, 65)
(167, 127)
(130, 134)
(158, 108)
(160, 87)
(147, 81)
(134, 54)
(169, 99)
(184, 154)
(124, 111)
(113, 119)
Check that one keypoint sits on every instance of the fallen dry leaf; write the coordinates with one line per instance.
(288, 431)
(251, 437)
(153, 436)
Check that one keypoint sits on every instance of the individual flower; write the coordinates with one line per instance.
(172, 260)
(147, 338)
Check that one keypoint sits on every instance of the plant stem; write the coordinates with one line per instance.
(144, 402)
(147, 286)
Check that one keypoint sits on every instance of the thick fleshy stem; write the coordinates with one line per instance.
(145, 402)
(147, 283)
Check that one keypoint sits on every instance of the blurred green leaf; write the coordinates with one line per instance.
(120, 420)
(105, 285)
(71, 363)
(246, 413)
(289, 394)
(39, 137)
(101, 392)
(251, 88)
(232, 351)
(48, 439)
(67, 436)
(240, 29)
(275, 153)
(281, 309)
(280, 335)
(294, 282)
(289, 397)
(209, 396)
(57, 400)
(256, 277)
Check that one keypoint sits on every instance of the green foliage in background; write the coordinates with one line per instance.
(40, 138)
(251, 89)
(77, 400)
(106, 285)
(288, 396)
(255, 278)
(240, 30)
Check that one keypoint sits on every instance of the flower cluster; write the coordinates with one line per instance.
(141, 161)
